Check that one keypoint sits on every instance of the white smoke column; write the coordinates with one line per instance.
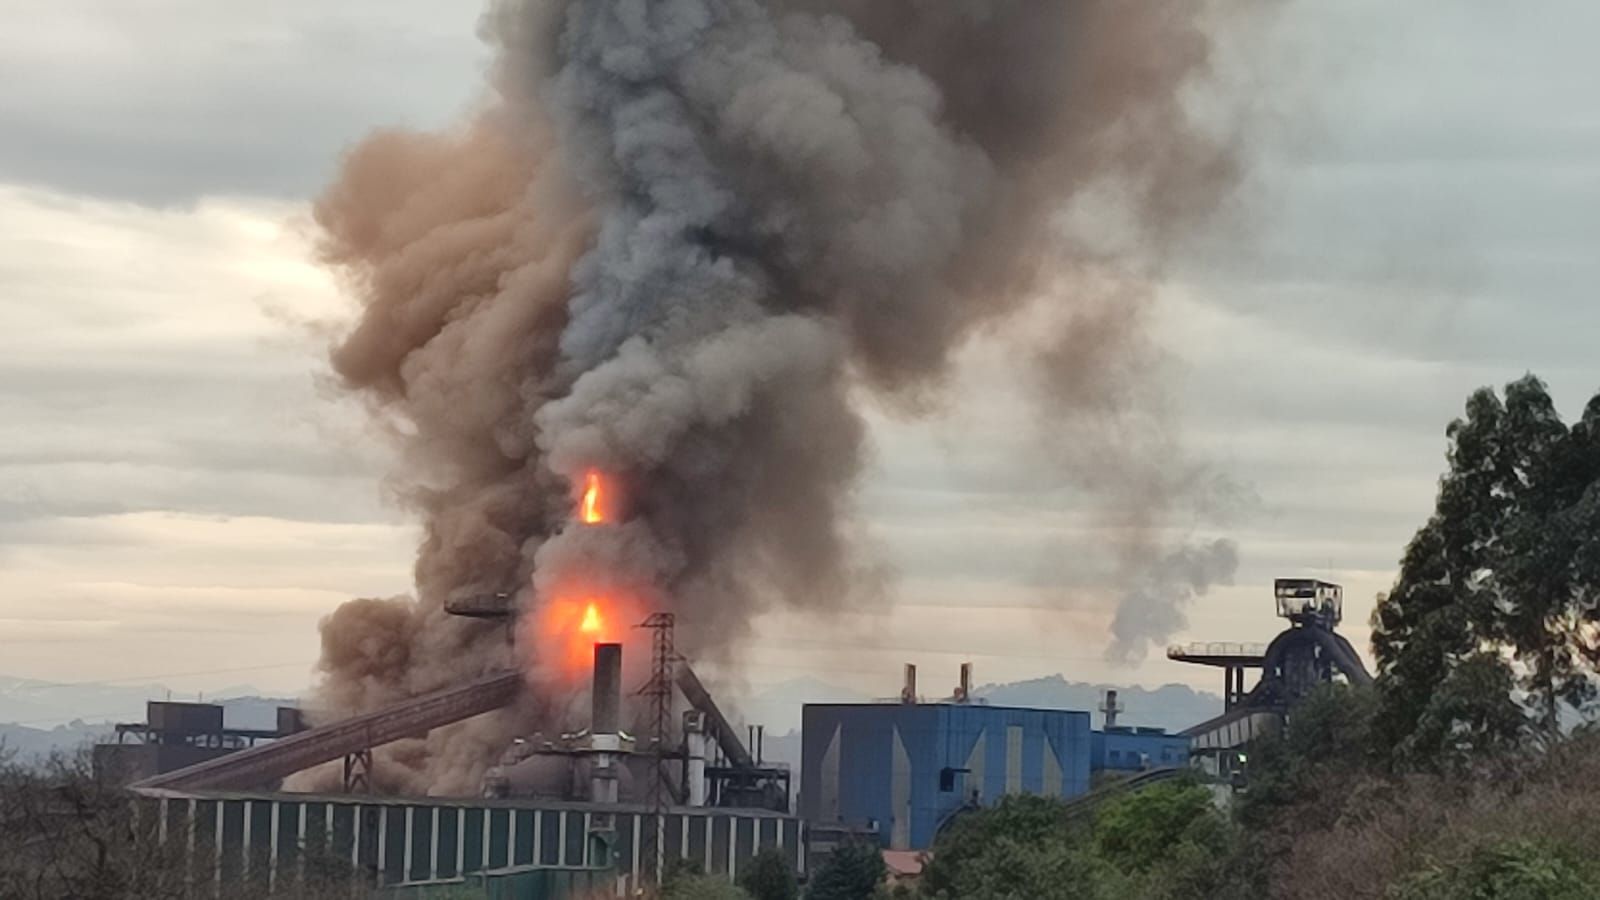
(1155, 605)
(680, 239)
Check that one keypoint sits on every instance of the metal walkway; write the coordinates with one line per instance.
(267, 763)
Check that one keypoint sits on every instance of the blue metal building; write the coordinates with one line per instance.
(1121, 748)
(904, 768)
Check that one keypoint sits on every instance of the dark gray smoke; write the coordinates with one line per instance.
(680, 238)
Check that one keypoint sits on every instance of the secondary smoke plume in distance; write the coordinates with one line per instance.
(682, 237)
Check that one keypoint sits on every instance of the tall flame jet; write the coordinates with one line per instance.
(569, 626)
(590, 510)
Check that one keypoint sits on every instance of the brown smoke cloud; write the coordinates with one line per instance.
(676, 242)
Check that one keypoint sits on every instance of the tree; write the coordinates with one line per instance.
(1005, 868)
(1531, 563)
(1507, 571)
(1167, 841)
(1023, 847)
(1325, 745)
(1471, 715)
(66, 832)
(770, 877)
(965, 842)
(1171, 841)
(1421, 631)
(69, 831)
(1136, 831)
(854, 871)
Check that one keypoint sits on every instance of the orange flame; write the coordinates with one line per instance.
(590, 510)
(563, 633)
(591, 624)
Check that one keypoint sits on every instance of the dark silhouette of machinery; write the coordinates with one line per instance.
(1308, 653)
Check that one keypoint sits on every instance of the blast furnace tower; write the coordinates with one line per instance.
(1308, 653)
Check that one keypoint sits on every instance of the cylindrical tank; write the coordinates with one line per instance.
(696, 744)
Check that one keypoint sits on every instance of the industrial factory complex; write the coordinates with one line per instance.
(604, 809)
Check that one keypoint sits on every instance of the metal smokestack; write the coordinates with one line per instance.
(606, 715)
(1111, 708)
(605, 726)
(908, 693)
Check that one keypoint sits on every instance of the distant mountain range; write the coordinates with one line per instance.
(1173, 706)
(38, 717)
(41, 717)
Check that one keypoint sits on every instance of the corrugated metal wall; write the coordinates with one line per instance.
(275, 839)
(1131, 751)
(900, 767)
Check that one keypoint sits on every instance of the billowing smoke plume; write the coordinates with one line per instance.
(681, 237)
(1155, 604)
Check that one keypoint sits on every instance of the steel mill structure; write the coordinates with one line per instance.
(570, 811)
(602, 809)
(542, 841)
(178, 735)
(1308, 653)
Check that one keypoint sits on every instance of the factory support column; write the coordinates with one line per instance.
(695, 744)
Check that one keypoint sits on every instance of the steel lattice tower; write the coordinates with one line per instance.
(659, 691)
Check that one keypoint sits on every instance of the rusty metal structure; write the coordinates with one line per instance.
(355, 737)
(721, 730)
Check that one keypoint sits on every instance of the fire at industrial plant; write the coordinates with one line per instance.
(656, 275)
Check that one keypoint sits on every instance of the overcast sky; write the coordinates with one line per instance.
(177, 496)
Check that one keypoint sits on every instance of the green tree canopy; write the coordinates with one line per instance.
(770, 877)
(854, 871)
(1136, 831)
(1327, 741)
(1166, 841)
(965, 842)
(1500, 588)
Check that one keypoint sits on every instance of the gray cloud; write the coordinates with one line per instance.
(165, 102)
(1424, 223)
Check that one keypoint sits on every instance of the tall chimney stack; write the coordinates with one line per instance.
(1111, 707)
(964, 687)
(605, 725)
(606, 714)
(908, 693)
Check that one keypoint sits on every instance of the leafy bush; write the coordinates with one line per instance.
(770, 877)
(853, 872)
(1137, 831)
(701, 887)
(1516, 870)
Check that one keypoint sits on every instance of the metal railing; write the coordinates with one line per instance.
(1215, 648)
